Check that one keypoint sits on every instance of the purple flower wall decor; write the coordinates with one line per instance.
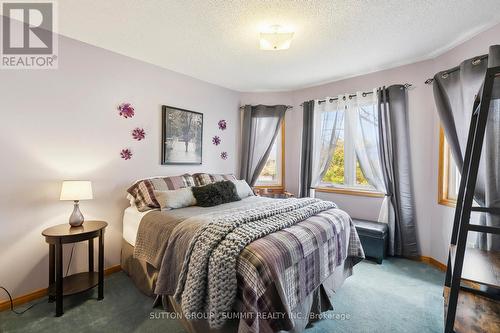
(216, 140)
(126, 154)
(222, 124)
(126, 110)
(138, 134)
(223, 155)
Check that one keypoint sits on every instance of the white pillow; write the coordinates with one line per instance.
(243, 188)
(180, 198)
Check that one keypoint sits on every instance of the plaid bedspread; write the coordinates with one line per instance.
(276, 272)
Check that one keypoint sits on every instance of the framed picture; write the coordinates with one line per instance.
(182, 136)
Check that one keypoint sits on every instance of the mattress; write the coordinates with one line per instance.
(132, 217)
(131, 220)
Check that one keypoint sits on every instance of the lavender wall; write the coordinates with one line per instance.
(434, 221)
(63, 124)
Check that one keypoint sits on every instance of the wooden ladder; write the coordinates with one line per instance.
(473, 276)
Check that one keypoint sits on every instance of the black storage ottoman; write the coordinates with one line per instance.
(374, 237)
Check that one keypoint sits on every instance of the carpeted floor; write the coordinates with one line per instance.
(398, 296)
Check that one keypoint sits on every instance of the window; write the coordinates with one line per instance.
(344, 174)
(272, 176)
(449, 175)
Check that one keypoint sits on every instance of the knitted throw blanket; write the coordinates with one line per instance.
(207, 282)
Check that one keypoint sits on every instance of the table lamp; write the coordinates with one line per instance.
(76, 190)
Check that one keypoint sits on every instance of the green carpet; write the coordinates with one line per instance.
(398, 296)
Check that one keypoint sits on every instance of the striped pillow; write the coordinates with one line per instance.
(143, 190)
(201, 179)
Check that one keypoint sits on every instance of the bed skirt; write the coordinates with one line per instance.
(144, 277)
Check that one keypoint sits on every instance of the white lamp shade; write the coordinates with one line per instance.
(76, 190)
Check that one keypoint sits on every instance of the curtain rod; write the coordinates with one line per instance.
(406, 85)
(475, 61)
(287, 107)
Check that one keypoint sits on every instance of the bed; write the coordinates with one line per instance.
(261, 276)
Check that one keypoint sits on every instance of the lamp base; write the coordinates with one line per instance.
(76, 219)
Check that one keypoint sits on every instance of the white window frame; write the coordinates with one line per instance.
(349, 186)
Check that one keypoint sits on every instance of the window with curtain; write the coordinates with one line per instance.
(357, 125)
(272, 175)
(448, 176)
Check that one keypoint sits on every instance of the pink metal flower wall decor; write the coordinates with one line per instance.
(216, 140)
(138, 134)
(222, 124)
(126, 154)
(224, 155)
(126, 110)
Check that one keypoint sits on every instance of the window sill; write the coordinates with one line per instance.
(349, 191)
(447, 202)
(270, 187)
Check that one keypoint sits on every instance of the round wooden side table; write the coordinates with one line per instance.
(60, 286)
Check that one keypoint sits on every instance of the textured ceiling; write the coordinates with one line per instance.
(217, 41)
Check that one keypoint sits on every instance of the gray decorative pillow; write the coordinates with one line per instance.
(180, 198)
(244, 190)
(215, 194)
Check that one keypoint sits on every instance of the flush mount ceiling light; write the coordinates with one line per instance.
(276, 38)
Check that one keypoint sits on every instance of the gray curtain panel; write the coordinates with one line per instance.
(307, 149)
(395, 159)
(454, 92)
(261, 124)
